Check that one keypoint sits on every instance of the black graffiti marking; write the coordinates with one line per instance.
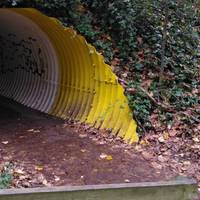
(22, 50)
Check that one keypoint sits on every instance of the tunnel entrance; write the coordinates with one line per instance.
(52, 69)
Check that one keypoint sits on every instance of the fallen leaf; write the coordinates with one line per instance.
(40, 178)
(103, 156)
(109, 157)
(162, 158)
(115, 62)
(195, 139)
(124, 75)
(131, 90)
(36, 131)
(22, 178)
(30, 130)
(83, 150)
(102, 142)
(33, 130)
(184, 168)
(39, 168)
(144, 142)
(4, 142)
(187, 162)
(26, 184)
(82, 135)
(161, 139)
(44, 182)
(19, 171)
(138, 148)
(172, 133)
(146, 155)
(166, 136)
(80, 8)
(156, 165)
(57, 178)
(139, 40)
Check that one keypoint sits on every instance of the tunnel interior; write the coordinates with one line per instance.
(28, 68)
(52, 69)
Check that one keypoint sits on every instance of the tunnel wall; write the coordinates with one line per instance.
(48, 67)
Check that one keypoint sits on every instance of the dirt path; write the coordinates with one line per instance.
(43, 151)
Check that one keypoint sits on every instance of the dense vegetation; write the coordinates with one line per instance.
(5, 176)
(153, 45)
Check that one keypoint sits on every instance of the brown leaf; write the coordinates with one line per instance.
(105, 156)
(109, 157)
(4, 142)
(124, 75)
(131, 90)
(195, 139)
(80, 8)
(156, 165)
(172, 133)
(139, 40)
(162, 158)
(161, 139)
(39, 168)
(57, 178)
(138, 148)
(115, 62)
(82, 135)
(166, 135)
(147, 156)
(144, 142)
(187, 162)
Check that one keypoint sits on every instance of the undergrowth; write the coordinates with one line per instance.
(5, 177)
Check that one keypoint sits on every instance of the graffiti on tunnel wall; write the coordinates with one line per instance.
(24, 50)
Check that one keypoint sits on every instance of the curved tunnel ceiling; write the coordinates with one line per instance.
(50, 68)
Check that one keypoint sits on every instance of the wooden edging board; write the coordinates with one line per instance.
(184, 189)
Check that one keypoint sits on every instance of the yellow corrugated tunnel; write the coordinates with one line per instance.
(48, 67)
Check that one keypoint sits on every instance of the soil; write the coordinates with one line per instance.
(45, 151)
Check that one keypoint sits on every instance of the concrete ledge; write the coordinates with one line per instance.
(184, 189)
